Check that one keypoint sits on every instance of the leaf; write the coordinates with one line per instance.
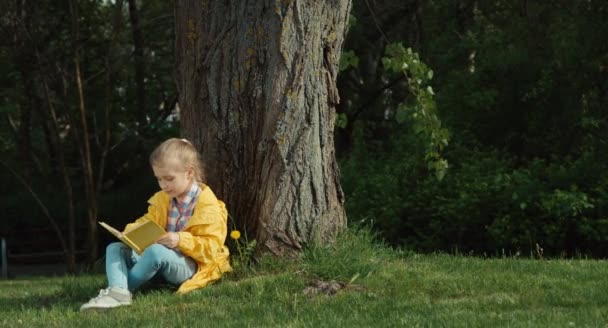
(440, 174)
(387, 63)
(341, 120)
(440, 167)
(348, 59)
(401, 115)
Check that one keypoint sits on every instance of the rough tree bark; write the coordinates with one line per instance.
(257, 94)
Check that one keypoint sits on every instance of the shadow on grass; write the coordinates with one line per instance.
(67, 293)
(36, 294)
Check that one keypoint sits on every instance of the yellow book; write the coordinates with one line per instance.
(140, 236)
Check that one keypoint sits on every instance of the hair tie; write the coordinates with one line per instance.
(186, 141)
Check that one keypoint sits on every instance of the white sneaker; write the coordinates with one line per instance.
(108, 298)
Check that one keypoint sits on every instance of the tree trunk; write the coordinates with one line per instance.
(109, 76)
(138, 52)
(257, 93)
(23, 59)
(56, 143)
(82, 140)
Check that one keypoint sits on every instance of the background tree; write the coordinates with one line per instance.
(257, 92)
(70, 120)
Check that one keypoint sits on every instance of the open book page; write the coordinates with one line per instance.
(121, 237)
(139, 236)
(113, 231)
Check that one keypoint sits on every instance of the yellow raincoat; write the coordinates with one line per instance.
(202, 238)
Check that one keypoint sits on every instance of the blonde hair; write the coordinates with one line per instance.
(182, 150)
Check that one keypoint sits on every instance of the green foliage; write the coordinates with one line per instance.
(422, 110)
(348, 59)
(562, 203)
(341, 120)
(242, 252)
(484, 205)
(521, 90)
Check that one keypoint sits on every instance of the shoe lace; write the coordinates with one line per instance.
(102, 293)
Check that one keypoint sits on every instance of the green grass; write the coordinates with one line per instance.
(389, 289)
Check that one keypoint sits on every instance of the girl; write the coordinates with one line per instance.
(192, 253)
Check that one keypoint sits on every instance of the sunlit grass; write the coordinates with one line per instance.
(387, 288)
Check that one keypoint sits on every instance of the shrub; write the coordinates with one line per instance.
(487, 203)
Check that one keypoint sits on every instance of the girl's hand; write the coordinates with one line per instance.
(170, 239)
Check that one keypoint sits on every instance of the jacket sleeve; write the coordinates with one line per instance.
(204, 241)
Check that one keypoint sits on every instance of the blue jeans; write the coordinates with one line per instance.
(126, 269)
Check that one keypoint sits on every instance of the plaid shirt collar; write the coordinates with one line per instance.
(188, 200)
(181, 212)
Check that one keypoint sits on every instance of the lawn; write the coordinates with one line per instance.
(381, 287)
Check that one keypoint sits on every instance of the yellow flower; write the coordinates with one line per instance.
(235, 234)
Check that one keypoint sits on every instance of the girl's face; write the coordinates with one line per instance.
(174, 179)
